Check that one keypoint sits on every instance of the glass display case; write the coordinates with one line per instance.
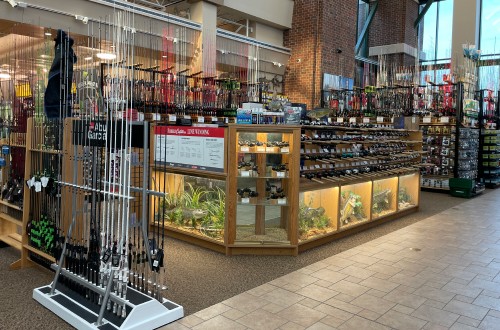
(408, 191)
(318, 212)
(196, 205)
(355, 204)
(384, 199)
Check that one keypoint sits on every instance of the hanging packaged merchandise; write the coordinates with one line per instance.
(5, 150)
(60, 71)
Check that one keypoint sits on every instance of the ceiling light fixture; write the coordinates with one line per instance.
(88, 58)
(106, 56)
(4, 76)
(48, 34)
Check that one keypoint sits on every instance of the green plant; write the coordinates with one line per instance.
(212, 223)
(310, 218)
(404, 196)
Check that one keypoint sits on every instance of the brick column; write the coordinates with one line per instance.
(319, 28)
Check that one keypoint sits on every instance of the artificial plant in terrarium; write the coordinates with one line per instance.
(382, 200)
(404, 198)
(352, 208)
(312, 221)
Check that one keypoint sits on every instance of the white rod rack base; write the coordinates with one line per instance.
(143, 312)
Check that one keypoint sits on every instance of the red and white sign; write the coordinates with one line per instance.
(199, 148)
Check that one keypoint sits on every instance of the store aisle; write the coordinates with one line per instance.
(440, 273)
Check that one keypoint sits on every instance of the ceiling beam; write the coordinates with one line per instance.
(422, 13)
(366, 26)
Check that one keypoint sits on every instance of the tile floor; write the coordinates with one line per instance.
(440, 273)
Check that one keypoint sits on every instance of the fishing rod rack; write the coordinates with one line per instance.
(107, 297)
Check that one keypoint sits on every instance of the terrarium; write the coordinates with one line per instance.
(408, 192)
(355, 204)
(193, 204)
(384, 197)
(318, 213)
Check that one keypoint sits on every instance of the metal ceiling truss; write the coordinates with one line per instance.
(366, 26)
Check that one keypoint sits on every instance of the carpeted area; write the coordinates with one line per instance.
(197, 278)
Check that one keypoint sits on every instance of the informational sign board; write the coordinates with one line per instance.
(200, 148)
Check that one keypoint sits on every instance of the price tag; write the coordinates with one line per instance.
(308, 151)
(270, 149)
(285, 149)
(380, 119)
(311, 167)
(352, 120)
(331, 166)
(329, 120)
(427, 120)
(245, 149)
(392, 120)
(214, 119)
(261, 149)
(281, 201)
(280, 174)
(38, 186)
(44, 180)
(201, 119)
(172, 118)
(366, 120)
(245, 173)
(245, 200)
(317, 166)
(188, 117)
(340, 119)
(413, 120)
(444, 120)
(323, 166)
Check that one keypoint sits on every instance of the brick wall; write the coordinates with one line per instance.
(319, 28)
(393, 23)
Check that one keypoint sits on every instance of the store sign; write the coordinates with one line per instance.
(200, 148)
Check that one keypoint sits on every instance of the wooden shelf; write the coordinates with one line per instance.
(9, 218)
(47, 151)
(40, 253)
(13, 240)
(12, 206)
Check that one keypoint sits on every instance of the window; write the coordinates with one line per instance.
(489, 43)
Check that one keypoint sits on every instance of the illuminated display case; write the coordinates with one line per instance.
(355, 203)
(318, 212)
(408, 191)
(384, 197)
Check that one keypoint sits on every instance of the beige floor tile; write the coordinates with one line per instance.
(332, 321)
(348, 307)
(408, 280)
(246, 302)
(382, 276)
(461, 326)
(388, 256)
(468, 321)
(484, 277)
(464, 299)
(317, 292)
(302, 315)
(349, 288)
(488, 302)
(174, 326)
(329, 275)
(299, 279)
(335, 312)
(369, 315)
(262, 320)
(461, 289)
(373, 303)
(434, 315)
(465, 309)
(323, 283)
(212, 311)
(344, 297)
(494, 313)
(403, 309)
(357, 323)
(483, 270)
(364, 259)
(490, 294)
(353, 279)
(234, 314)
(434, 303)
(401, 321)
(378, 284)
(455, 271)
(282, 297)
(485, 285)
(262, 289)
(489, 323)
(318, 266)
(219, 323)
(384, 269)
(310, 302)
(357, 272)
(435, 294)
(190, 320)
(404, 298)
(273, 308)
(434, 326)
(376, 293)
(291, 287)
(291, 326)
(338, 261)
(320, 326)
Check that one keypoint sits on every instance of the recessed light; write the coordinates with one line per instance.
(88, 58)
(4, 76)
(106, 56)
(164, 56)
(48, 33)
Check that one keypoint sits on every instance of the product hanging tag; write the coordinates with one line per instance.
(44, 181)
(38, 186)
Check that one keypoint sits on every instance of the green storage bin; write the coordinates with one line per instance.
(461, 187)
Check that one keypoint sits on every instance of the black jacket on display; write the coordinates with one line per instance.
(58, 91)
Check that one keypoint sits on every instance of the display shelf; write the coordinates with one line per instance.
(10, 219)
(13, 240)
(10, 205)
(38, 252)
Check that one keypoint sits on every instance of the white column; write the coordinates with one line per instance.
(206, 14)
(465, 28)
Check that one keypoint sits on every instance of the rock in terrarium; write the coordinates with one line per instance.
(352, 209)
